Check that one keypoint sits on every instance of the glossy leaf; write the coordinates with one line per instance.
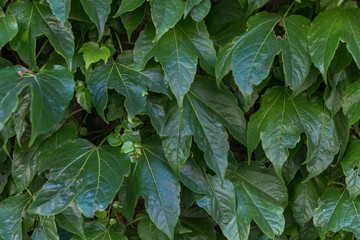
(93, 53)
(47, 229)
(327, 30)
(33, 20)
(98, 231)
(61, 9)
(8, 28)
(337, 212)
(351, 100)
(80, 169)
(51, 90)
(255, 4)
(128, 5)
(11, 211)
(71, 220)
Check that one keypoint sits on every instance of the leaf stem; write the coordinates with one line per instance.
(42, 48)
(287, 11)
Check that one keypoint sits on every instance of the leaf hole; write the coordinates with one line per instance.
(279, 31)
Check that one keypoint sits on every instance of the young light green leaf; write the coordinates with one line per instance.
(98, 12)
(158, 185)
(80, 169)
(93, 53)
(337, 212)
(71, 220)
(11, 210)
(279, 123)
(165, 14)
(350, 103)
(327, 30)
(350, 164)
(61, 9)
(51, 90)
(8, 28)
(261, 196)
(47, 229)
(33, 20)
(304, 201)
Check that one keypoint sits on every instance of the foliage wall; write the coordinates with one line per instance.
(179, 119)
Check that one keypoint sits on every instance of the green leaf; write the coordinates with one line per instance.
(165, 14)
(127, 6)
(34, 20)
(8, 28)
(261, 196)
(148, 231)
(127, 81)
(255, 4)
(93, 53)
(47, 229)
(337, 212)
(201, 228)
(327, 30)
(304, 201)
(206, 111)
(98, 231)
(187, 42)
(190, 4)
(350, 103)
(51, 91)
(26, 159)
(133, 19)
(158, 185)
(11, 210)
(80, 169)
(279, 122)
(71, 220)
(350, 164)
(61, 9)
(98, 12)
(200, 11)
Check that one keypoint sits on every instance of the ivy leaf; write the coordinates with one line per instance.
(337, 212)
(33, 20)
(95, 230)
(327, 29)
(127, 6)
(165, 14)
(200, 11)
(350, 164)
(71, 220)
(190, 4)
(127, 81)
(51, 90)
(47, 229)
(206, 110)
(80, 169)
(261, 196)
(93, 53)
(156, 182)
(8, 28)
(11, 210)
(304, 201)
(201, 228)
(98, 12)
(279, 123)
(186, 42)
(350, 103)
(61, 9)
(133, 19)
(148, 231)
(255, 4)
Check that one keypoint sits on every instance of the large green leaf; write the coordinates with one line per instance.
(8, 28)
(11, 210)
(127, 81)
(327, 30)
(51, 91)
(33, 20)
(80, 169)
(350, 164)
(279, 122)
(165, 14)
(304, 201)
(26, 159)
(351, 100)
(250, 56)
(337, 212)
(159, 186)
(98, 12)
(261, 196)
(204, 105)
(98, 231)
(61, 9)
(47, 229)
(177, 51)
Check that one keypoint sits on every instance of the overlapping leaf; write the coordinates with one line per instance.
(79, 169)
(8, 28)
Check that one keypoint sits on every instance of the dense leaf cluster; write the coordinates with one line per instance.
(179, 119)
